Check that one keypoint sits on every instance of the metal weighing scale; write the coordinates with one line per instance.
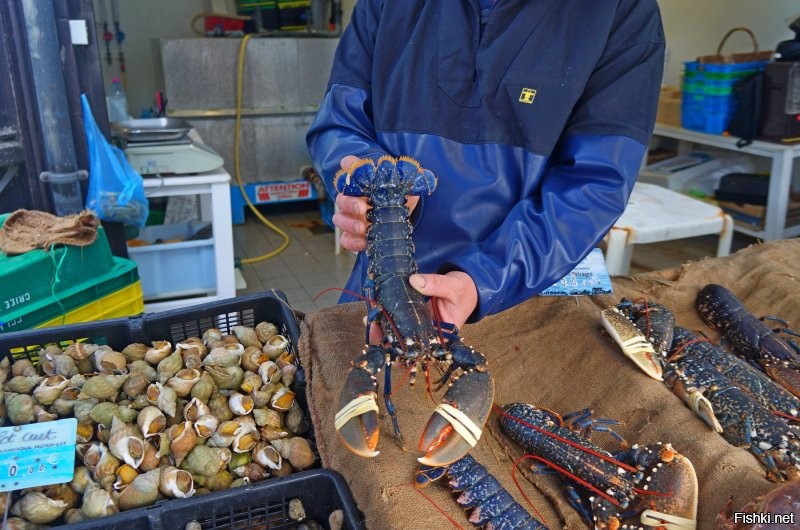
(165, 146)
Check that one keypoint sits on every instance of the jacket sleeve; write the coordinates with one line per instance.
(590, 176)
(343, 124)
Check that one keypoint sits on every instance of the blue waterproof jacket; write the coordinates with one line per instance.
(534, 126)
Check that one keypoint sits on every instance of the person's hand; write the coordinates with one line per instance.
(454, 293)
(351, 217)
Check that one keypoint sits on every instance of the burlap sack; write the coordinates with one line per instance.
(552, 352)
(25, 230)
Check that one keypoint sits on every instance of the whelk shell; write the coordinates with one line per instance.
(110, 360)
(296, 450)
(229, 355)
(182, 439)
(50, 389)
(162, 397)
(160, 350)
(103, 386)
(134, 352)
(252, 471)
(97, 502)
(80, 350)
(240, 404)
(203, 389)
(143, 491)
(81, 479)
(37, 508)
(251, 382)
(125, 475)
(125, 443)
(19, 408)
(169, 366)
(282, 399)
(135, 384)
(59, 364)
(192, 356)
(151, 421)
(22, 384)
(265, 331)
(247, 336)
(265, 455)
(203, 460)
(226, 377)
(269, 372)
(194, 409)
(252, 358)
(276, 346)
(210, 335)
(176, 483)
(184, 380)
(206, 426)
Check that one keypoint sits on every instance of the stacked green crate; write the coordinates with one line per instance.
(284, 15)
(40, 285)
(708, 100)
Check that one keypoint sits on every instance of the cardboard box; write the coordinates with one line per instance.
(669, 106)
(752, 215)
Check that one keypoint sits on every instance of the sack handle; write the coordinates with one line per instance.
(734, 30)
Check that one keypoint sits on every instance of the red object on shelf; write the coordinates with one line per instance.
(223, 24)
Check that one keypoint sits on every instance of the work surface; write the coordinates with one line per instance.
(552, 352)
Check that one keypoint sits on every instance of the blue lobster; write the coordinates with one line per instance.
(411, 338)
(492, 505)
(748, 336)
(650, 485)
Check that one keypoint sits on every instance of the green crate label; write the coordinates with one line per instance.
(16, 300)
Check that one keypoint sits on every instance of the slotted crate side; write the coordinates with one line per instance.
(266, 504)
(248, 310)
(117, 332)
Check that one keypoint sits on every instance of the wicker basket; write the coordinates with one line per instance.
(733, 58)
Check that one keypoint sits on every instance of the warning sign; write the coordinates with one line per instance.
(287, 191)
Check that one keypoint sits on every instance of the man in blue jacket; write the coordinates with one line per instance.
(534, 115)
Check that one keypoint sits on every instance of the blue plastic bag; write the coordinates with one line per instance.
(116, 190)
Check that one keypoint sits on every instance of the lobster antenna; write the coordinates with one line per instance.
(519, 487)
(577, 479)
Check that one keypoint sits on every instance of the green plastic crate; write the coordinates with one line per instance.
(30, 278)
(45, 309)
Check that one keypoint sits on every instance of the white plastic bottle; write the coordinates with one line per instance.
(117, 102)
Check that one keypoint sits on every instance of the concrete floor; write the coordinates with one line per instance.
(309, 272)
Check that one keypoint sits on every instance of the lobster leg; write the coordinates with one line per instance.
(387, 399)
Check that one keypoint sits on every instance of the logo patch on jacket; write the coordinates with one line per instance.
(527, 95)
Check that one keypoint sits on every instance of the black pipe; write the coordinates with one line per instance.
(51, 100)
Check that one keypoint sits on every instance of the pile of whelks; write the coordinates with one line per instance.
(159, 421)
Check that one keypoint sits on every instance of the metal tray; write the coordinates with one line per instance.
(151, 130)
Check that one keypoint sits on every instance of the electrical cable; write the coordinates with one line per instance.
(236, 141)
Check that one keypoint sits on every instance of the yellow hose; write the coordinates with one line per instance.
(264, 220)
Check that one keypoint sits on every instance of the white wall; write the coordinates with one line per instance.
(692, 27)
(696, 27)
(143, 21)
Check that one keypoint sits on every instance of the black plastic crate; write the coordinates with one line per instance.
(743, 188)
(321, 490)
(264, 505)
(175, 325)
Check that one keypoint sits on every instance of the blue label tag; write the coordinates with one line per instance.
(589, 277)
(37, 454)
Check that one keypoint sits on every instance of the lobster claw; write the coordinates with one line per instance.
(357, 419)
(634, 344)
(458, 421)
